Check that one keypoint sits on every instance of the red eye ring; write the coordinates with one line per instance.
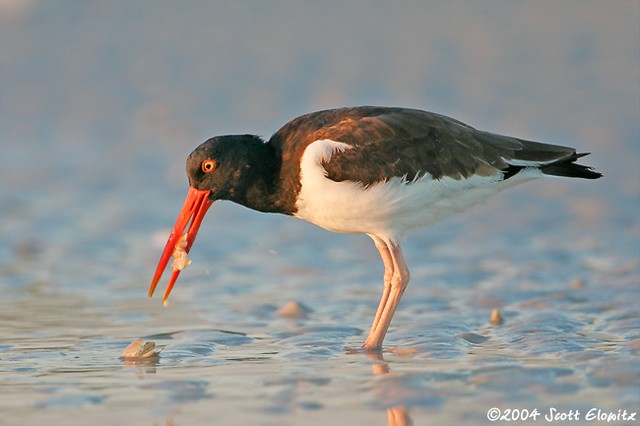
(208, 166)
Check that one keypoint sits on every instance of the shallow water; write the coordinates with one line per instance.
(569, 339)
(92, 179)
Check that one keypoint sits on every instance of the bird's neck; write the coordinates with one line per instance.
(264, 190)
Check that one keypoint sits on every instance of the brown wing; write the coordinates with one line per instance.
(402, 142)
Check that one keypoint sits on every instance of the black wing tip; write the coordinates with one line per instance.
(567, 167)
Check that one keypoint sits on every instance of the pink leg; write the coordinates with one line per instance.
(388, 274)
(396, 268)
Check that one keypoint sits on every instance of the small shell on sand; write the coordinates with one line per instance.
(294, 310)
(180, 259)
(140, 349)
(496, 317)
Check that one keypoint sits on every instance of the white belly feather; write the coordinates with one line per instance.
(388, 208)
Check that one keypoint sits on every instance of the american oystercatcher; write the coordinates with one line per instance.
(378, 171)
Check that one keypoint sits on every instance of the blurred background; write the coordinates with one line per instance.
(102, 95)
(101, 102)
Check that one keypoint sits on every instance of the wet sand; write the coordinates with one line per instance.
(568, 339)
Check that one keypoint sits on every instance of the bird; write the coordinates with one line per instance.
(374, 170)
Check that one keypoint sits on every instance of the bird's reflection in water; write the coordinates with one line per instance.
(397, 415)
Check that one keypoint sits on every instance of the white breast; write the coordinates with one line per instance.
(389, 208)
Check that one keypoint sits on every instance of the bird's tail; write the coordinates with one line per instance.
(553, 160)
(568, 167)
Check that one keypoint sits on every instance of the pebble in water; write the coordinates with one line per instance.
(496, 317)
(294, 310)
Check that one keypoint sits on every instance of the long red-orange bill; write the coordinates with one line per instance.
(195, 207)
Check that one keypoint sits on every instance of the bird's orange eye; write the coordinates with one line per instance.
(208, 166)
